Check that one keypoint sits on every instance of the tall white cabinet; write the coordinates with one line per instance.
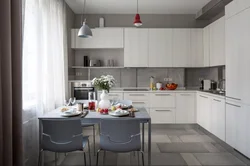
(206, 46)
(197, 57)
(181, 47)
(217, 42)
(136, 47)
(160, 47)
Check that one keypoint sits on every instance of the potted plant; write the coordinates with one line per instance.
(104, 83)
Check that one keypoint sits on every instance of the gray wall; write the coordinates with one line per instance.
(148, 20)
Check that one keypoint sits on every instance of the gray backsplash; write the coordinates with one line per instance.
(139, 77)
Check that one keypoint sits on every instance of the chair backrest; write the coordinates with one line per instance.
(61, 135)
(126, 102)
(120, 135)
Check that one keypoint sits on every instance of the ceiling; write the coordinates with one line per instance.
(145, 6)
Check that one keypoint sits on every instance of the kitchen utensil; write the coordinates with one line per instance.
(152, 81)
(213, 85)
(93, 63)
(70, 114)
(85, 61)
(158, 85)
(119, 114)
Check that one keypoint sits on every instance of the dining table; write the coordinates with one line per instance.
(95, 117)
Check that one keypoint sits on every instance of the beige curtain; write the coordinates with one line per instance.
(11, 147)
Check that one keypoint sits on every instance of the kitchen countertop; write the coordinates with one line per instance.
(147, 90)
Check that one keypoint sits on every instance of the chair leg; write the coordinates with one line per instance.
(84, 155)
(89, 153)
(138, 158)
(94, 138)
(97, 155)
(142, 157)
(104, 157)
(55, 159)
(39, 157)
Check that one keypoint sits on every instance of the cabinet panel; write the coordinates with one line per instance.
(112, 96)
(136, 48)
(181, 47)
(233, 59)
(197, 57)
(204, 112)
(102, 38)
(162, 115)
(162, 100)
(160, 47)
(206, 46)
(217, 42)
(185, 108)
(235, 7)
(218, 118)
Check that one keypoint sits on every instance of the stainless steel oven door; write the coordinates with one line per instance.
(82, 93)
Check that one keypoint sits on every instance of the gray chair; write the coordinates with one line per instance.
(120, 136)
(62, 136)
(84, 124)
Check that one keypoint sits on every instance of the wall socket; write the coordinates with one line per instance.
(78, 73)
(168, 79)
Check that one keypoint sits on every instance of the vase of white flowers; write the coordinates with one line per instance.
(104, 83)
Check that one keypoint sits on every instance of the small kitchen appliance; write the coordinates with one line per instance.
(206, 84)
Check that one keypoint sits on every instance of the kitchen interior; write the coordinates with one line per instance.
(183, 67)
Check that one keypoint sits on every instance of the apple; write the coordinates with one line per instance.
(101, 111)
(106, 111)
(113, 108)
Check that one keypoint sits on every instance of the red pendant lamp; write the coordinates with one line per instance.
(137, 21)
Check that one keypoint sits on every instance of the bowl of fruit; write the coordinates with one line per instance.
(171, 86)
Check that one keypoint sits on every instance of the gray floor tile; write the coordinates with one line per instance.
(180, 132)
(219, 147)
(210, 147)
(154, 148)
(158, 138)
(218, 159)
(182, 148)
(190, 159)
(196, 138)
(167, 159)
(174, 138)
(123, 159)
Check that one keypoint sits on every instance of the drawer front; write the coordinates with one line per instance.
(162, 116)
(113, 96)
(136, 96)
(162, 100)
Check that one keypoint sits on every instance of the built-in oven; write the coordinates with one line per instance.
(83, 91)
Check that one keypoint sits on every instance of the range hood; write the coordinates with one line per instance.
(212, 9)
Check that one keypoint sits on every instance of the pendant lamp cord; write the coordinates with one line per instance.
(84, 6)
(137, 6)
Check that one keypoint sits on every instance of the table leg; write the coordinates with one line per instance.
(143, 137)
(149, 142)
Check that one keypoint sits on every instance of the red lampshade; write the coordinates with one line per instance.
(137, 21)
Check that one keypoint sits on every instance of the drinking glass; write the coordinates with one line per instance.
(92, 101)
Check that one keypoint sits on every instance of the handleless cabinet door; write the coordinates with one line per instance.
(206, 46)
(181, 47)
(218, 118)
(136, 47)
(197, 57)
(217, 42)
(160, 47)
(185, 108)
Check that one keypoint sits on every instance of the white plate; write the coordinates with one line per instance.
(71, 114)
(118, 114)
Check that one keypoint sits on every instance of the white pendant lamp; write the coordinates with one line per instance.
(85, 31)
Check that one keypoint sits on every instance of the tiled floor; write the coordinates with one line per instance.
(171, 145)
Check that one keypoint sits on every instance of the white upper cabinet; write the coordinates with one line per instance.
(181, 47)
(160, 47)
(235, 7)
(206, 46)
(237, 57)
(185, 108)
(197, 58)
(136, 47)
(217, 43)
(102, 38)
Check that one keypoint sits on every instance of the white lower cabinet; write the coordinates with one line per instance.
(162, 115)
(112, 96)
(139, 100)
(204, 111)
(237, 126)
(218, 118)
(185, 108)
